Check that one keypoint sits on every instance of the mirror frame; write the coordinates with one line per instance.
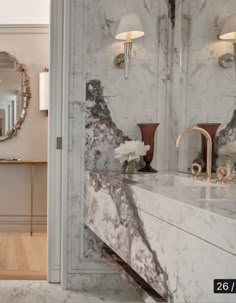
(25, 94)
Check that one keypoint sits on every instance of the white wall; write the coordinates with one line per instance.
(24, 11)
(31, 47)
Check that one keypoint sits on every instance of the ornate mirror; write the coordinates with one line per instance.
(14, 95)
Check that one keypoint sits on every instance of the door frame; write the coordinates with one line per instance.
(54, 195)
(58, 128)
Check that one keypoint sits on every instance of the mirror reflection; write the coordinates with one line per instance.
(14, 95)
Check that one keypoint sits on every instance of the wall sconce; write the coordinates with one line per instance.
(44, 90)
(228, 32)
(130, 28)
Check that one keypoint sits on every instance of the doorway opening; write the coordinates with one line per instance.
(24, 57)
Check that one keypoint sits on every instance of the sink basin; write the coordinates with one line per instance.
(167, 180)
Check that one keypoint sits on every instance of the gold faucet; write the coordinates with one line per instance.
(209, 145)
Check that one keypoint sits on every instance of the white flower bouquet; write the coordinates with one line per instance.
(130, 152)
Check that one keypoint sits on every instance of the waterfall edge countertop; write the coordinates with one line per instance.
(177, 233)
(189, 204)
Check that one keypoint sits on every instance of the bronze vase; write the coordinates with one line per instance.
(148, 134)
(211, 128)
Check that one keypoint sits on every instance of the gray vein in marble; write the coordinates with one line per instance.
(172, 11)
(140, 287)
(102, 134)
(203, 5)
(200, 5)
(107, 25)
(92, 245)
(146, 6)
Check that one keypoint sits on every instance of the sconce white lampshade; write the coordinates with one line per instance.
(44, 90)
(228, 31)
(130, 25)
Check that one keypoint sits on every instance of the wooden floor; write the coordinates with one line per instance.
(23, 257)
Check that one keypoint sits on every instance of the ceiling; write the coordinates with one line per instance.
(24, 11)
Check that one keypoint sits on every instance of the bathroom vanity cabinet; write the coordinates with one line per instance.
(178, 234)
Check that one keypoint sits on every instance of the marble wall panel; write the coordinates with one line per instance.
(141, 98)
(104, 109)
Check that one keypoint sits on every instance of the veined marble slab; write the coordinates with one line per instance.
(177, 233)
(98, 117)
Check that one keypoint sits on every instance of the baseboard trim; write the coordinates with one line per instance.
(54, 275)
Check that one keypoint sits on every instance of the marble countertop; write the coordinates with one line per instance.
(216, 198)
(178, 234)
(203, 209)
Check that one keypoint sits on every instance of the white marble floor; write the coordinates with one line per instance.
(43, 292)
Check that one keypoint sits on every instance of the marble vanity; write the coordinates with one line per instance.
(178, 234)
